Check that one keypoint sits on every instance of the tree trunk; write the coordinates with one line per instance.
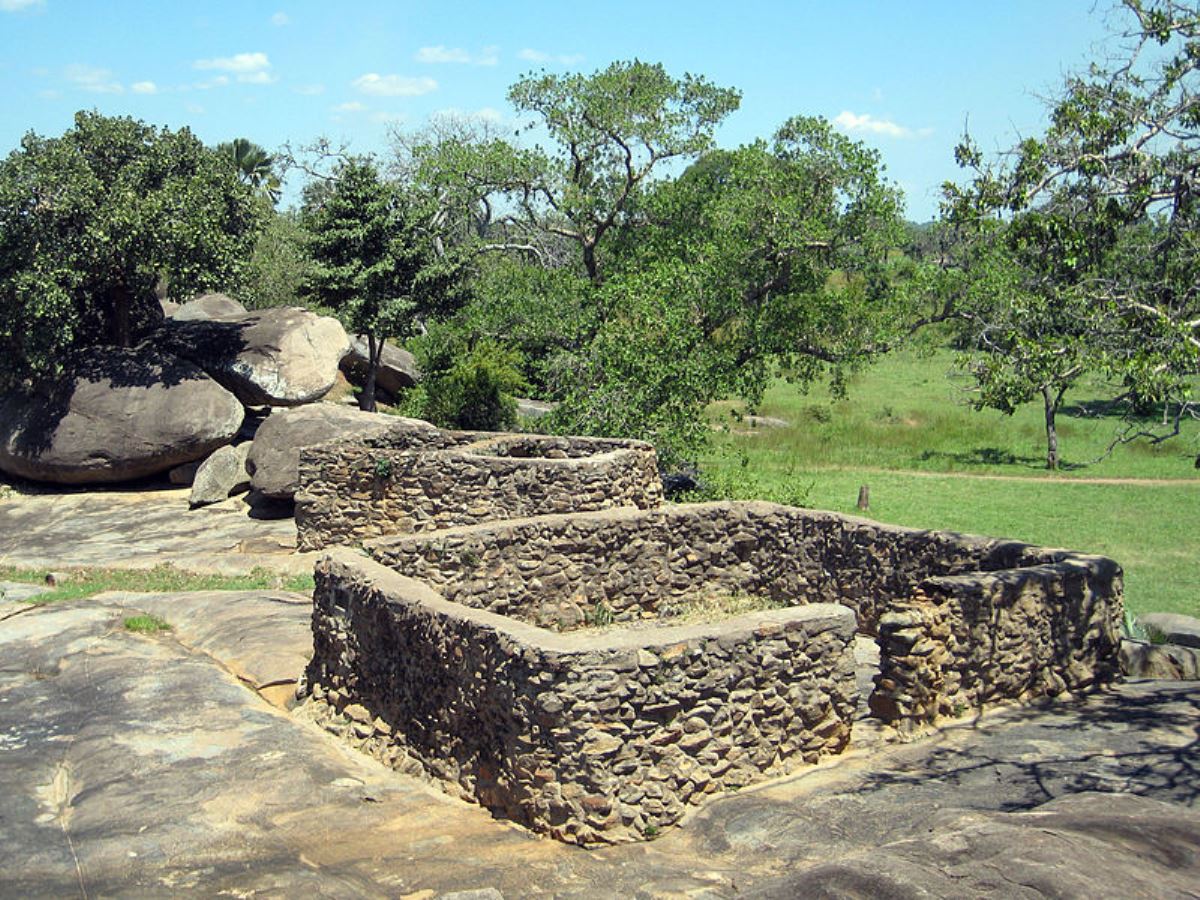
(366, 400)
(589, 262)
(1051, 404)
(118, 323)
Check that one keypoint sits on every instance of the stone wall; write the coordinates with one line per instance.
(960, 643)
(590, 737)
(556, 570)
(350, 491)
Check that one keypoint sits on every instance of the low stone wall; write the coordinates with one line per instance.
(556, 571)
(590, 737)
(962, 621)
(350, 491)
(960, 643)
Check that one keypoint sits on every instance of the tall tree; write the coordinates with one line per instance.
(764, 259)
(91, 220)
(374, 260)
(1094, 230)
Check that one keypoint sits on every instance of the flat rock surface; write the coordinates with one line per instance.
(142, 529)
(137, 765)
(262, 637)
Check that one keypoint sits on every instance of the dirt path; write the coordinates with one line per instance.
(1030, 479)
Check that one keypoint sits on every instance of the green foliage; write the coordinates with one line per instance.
(383, 468)
(544, 315)
(375, 261)
(89, 223)
(278, 270)
(161, 579)
(1092, 229)
(612, 129)
(756, 260)
(254, 166)
(146, 624)
(934, 463)
(470, 389)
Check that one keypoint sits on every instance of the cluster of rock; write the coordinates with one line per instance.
(121, 414)
(586, 737)
(358, 489)
(464, 650)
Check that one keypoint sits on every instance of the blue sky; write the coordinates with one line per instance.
(902, 76)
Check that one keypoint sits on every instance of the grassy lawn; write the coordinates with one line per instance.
(161, 579)
(906, 432)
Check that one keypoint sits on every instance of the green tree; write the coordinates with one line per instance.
(766, 259)
(608, 134)
(90, 221)
(277, 270)
(1093, 231)
(374, 260)
(254, 166)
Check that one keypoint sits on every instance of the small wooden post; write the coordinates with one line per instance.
(864, 498)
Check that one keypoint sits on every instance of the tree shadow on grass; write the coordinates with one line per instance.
(994, 456)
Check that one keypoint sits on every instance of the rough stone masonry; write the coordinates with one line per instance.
(450, 655)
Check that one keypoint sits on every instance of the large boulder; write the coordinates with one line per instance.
(274, 458)
(119, 415)
(1175, 628)
(284, 356)
(397, 367)
(220, 476)
(206, 307)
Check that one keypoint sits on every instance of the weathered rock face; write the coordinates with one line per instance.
(274, 459)
(1174, 627)
(121, 414)
(273, 357)
(205, 307)
(221, 475)
(397, 367)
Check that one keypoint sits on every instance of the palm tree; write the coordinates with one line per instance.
(255, 166)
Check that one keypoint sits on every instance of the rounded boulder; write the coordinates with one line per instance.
(116, 416)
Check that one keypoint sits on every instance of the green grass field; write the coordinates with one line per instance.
(907, 431)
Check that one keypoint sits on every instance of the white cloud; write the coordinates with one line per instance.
(443, 54)
(218, 81)
(248, 68)
(239, 62)
(144, 87)
(256, 78)
(868, 124)
(91, 78)
(540, 56)
(352, 106)
(394, 85)
(17, 5)
(280, 18)
(195, 109)
(440, 53)
(387, 118)
(310, 90)
(49, 94)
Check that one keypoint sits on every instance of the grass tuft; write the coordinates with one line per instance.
(163, 579)
(146, 624)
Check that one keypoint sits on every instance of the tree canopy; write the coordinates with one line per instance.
(92, 220)
(1082, 245)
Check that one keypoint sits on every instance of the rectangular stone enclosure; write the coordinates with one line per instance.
(396, 483)
(552, 668)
